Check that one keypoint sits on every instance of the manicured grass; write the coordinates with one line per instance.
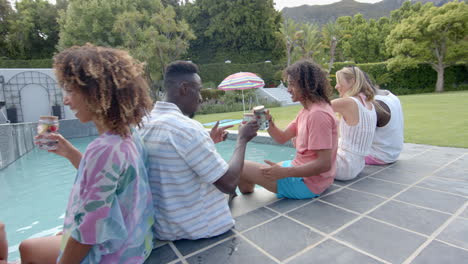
(432, 119)
(437, 119)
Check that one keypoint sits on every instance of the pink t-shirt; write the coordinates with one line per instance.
(315, 128)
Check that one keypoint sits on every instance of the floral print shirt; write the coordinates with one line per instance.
(110, 205)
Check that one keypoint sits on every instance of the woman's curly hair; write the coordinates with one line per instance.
(311, 80)
(111, 81)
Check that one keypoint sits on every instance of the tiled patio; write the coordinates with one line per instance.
(413, 211)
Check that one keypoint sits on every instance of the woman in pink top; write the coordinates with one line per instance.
(314, 132)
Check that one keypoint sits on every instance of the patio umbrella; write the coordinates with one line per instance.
(241, 81)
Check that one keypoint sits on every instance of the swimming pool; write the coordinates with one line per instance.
(34, 189)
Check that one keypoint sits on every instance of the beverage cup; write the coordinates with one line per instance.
(259, 112)
(47, 125)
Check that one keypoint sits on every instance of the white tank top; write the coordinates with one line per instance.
(357, 139)
(388, 140)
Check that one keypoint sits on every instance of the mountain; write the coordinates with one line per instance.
(322, 14)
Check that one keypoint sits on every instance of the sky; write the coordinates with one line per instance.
(280, 4)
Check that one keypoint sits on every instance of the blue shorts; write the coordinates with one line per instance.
(293, 187)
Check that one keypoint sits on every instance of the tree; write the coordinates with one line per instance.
(308, 41)
(434, 35)
(5, 14)
(331, 35)
(33, 30)
(158, 38)
(146, 28)
(288, 32)
(237, 30)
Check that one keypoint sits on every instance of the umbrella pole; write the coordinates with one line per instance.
(243, 104)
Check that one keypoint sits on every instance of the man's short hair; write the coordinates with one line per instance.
(177, 71)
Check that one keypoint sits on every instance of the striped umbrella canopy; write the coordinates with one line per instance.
(241, 81)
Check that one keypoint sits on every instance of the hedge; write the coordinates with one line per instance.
(216, 72)
(408, 81)
(411, 80)
(44, 63)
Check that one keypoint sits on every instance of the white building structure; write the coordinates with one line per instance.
(30, 93)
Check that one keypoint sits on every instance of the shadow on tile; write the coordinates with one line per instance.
(234, 250)
(161, 255)
(186, 246)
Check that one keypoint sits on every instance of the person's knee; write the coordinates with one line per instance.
(26, 249)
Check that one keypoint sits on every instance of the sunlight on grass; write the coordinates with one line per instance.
(432, 119)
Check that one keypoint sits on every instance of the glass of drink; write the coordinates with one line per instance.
(46, 126)
(259, 112)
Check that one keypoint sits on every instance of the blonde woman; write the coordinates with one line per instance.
(358, 122)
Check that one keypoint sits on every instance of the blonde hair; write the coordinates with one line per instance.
(111, 81)
(360, 85)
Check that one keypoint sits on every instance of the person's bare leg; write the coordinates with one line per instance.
(43, 250)
(3, 244)
(251, 175)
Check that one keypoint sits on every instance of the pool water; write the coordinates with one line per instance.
(34, 189)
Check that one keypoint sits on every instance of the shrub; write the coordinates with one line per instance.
(412, 80)
(44, 63)
(216, 72)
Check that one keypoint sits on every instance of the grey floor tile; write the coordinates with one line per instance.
(253, 218)
(414, 218)
(381, 240)
(464, 213)
(282, 237)
(453, 172)
(440, 158)
(438, 253)
(456, 233)
(186, 246)
(461, 163)
(382, 188)
(447, 185)
(322, 216)
(436, 200)
(399, 175)
(235, 250)
(416, 165)
(161, 255)
(333, 252)
(353, 200)
(285, 205)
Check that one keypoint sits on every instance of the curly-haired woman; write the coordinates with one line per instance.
(109, 214)
(315, 134)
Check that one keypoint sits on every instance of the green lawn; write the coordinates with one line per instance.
(433, 119)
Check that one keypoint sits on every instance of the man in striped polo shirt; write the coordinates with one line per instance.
(187, 176)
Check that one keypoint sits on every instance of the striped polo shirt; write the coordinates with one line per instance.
(183, 165)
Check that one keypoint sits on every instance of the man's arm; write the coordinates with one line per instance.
(74, 252)
(228, 182)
